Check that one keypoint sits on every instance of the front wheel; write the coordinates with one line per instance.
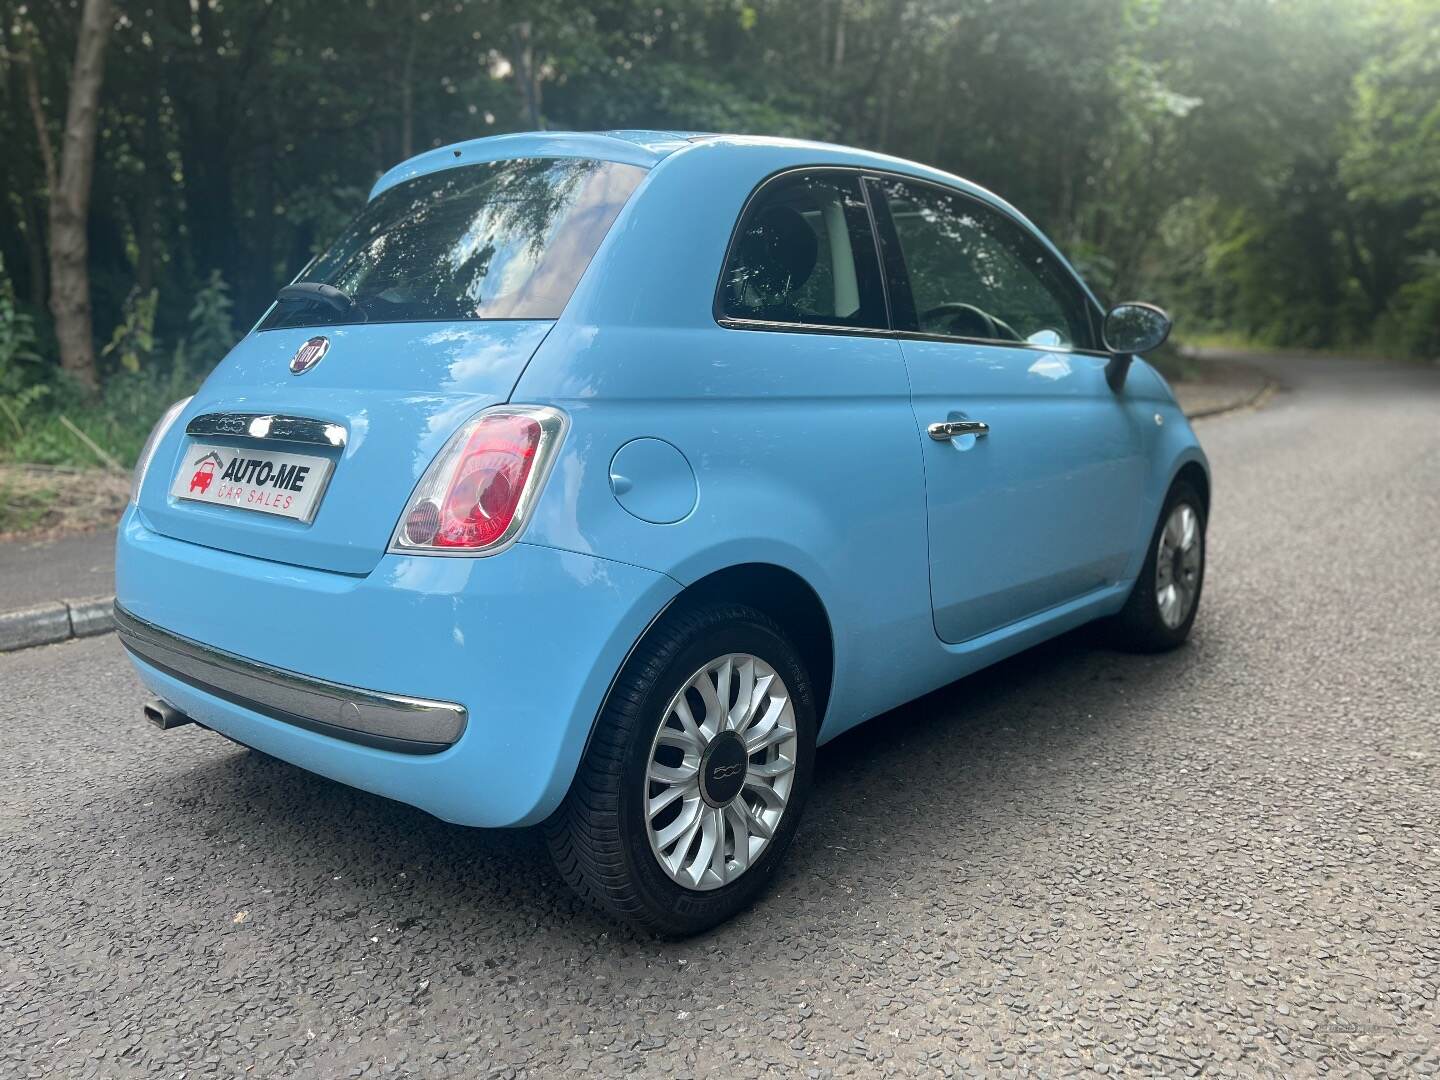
(693, 783)
(1161, 609)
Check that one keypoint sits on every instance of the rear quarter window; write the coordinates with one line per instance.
(804, 254)
(494, 240)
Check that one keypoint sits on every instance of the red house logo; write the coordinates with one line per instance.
(204, 473)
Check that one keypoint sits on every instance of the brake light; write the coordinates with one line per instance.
(478, 492)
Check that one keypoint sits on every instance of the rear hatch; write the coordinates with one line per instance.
(399, 390)
(424, 311)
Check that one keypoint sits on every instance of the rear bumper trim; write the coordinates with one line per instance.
(396, 722)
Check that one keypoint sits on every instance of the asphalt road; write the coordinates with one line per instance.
(67, 568)
(1221, 861)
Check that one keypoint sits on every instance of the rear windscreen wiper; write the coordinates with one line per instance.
(306, 292)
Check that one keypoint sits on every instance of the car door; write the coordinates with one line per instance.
(1033, 467)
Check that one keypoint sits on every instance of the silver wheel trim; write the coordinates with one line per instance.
(1179, 555)
(700, 846)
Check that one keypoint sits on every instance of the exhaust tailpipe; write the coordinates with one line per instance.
(164, 716)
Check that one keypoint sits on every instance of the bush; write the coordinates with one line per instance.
(1411, 324)
(144, 380)
(20, 366)
(118, 419)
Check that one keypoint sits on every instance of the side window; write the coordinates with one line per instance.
(975, 273)
(804, 253)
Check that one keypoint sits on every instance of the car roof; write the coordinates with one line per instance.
(647, 148)
(631, 147)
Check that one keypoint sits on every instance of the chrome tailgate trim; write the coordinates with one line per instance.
(274, 427)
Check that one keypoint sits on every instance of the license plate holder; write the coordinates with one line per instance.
(275, 482)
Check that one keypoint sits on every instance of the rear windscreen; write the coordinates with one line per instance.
(499, 240)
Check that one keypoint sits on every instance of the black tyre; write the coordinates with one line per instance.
(1161, 608)
(696, 775)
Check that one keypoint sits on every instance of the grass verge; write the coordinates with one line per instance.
(38, 501)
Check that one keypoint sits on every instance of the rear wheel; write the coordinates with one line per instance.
(1161, 609)
(693, 784)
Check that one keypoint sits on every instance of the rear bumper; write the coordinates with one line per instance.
(514, 653)
(406, 725)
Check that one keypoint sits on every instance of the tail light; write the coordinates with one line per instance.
(142, 463)
(478, 493)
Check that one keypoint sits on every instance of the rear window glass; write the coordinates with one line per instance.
(499, 240)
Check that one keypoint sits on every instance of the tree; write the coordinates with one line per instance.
(1392, 171)
(69, 182)
(1218, 156)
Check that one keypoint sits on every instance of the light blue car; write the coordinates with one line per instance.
(595, 479)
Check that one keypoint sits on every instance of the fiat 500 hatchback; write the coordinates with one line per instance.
(595, 479)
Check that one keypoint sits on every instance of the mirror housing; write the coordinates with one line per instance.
(1132, 329)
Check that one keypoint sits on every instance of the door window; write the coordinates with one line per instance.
(805, 254)
(975, 273)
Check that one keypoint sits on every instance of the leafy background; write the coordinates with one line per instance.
(1267, 169)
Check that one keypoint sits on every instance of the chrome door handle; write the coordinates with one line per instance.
(950, 429)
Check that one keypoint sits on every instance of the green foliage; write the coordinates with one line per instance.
(673, 95)
(211, 330)
(1266, 168)
(134, 337)
(1393, 156)
(20, 370)
(118, 420)
(1331, 249)
(132, 398)
(1411, 325)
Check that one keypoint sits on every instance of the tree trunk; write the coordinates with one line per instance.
(201, 94)
(145, 223)
(407, 89)
(35, 250)
(70, 197)
(32, 209)
(526, 76)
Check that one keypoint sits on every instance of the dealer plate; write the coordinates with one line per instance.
(287, 485)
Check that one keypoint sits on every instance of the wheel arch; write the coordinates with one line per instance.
(787, 598)
(777, 591)
(1195, 474)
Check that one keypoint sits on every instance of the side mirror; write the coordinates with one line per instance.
(1131, 329)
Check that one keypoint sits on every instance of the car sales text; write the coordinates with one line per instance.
(245, 479)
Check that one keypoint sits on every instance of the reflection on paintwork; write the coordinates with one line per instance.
(425, 577)
(359, 427)
(471, 357)
(586, 571)
(560, 506)
(1051, 366)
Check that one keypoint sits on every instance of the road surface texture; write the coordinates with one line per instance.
(66, 568)
(1223, 861)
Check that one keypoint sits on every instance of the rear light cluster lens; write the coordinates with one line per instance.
(484, 487)
(478, 492)
(158, 432)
